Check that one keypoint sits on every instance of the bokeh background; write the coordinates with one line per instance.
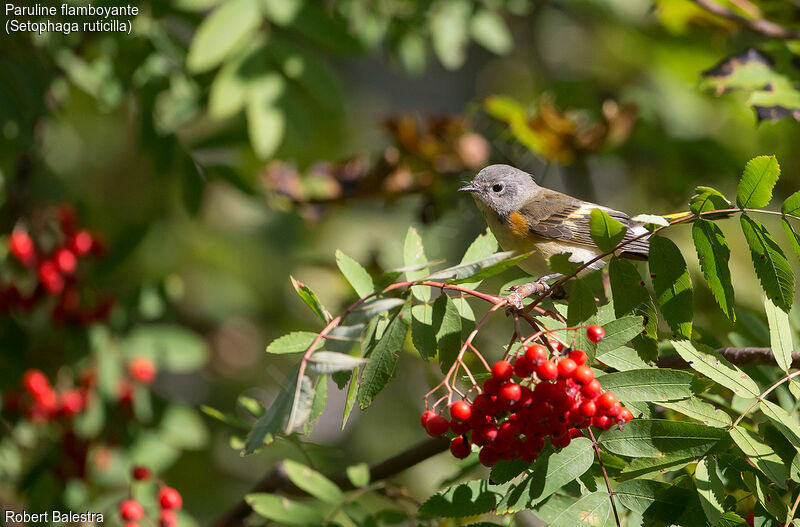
(224, 146)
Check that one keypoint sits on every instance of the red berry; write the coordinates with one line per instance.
(502, 370)
(595, 333)
(140, 473)
(750, 519)
(35, 382)
(592, 389)
(460, 410)
(510, 392)
(523, 367)
(142, 369)
(66, 261)
(491, 386)
(21, 246)
(624, 415)
(482, 403)
(50, 277)
(130, 510)
(588, 409)
(556, 345)
(477, 420)
(71, 402)
(125, 391)
(170, 498)
(82, 243)
(508, 432)
(459, 427)
(488, 457)
(547, 370)
(583, 374)
(578, 356)
(566, 367)
(460, 447)
(606, 401)
(561, 439)
(132, 524)
(423, 420)
(536, 353)
(437, 425)
(488, 433)
(614, 410)
(167, 518)
(602, 422)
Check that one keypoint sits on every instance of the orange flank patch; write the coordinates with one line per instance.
(518, 224)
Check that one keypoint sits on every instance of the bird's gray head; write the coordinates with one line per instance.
(502, 188)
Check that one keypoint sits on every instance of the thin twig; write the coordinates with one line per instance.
(763, 395)
(759, 25)
(605, 475)
(794, 509)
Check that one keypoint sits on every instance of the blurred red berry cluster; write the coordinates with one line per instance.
(526, 401)
(47, 256)
(169, 500)
(40, 402)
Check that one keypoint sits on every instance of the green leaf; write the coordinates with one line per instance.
(623, 359)
(266, 121)
(782, 420)
(318, 403)
(301, 405)
(731, 519)
(414, 258)
(227, 27)
(480, 270)
(708, 199)
(350, 399)
(660, 502)
(672, 285)
(173, 348)
(228, 92)
(504, 471)
(358, 277)
(383, 359)
(490, 31)
(284, 510)
(760, 454)
(446, 322)
(272, 420)
(327, 362)
(766, 496)
(700, 411)
(311, 300)
(713, 253)
(710, 489)
(466, 499)
(794, 238)
(651, 384)
(358, 475)
(758, 179)
(631, 297)
(660, 437)
(294, 342)
(482, 247)
(560, 263)
(582, 305)
(618, 333)
(312, 482)
(182, 427)
(281, 12)
(551, 471)
(606, 232)
(708, 362)
(448, 23)
(646, 465)
(370, 309)
(792, 204)
(593, 510)
(780, 334)
(771, 265)
(422, 333)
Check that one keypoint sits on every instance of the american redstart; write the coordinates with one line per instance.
(525, 217)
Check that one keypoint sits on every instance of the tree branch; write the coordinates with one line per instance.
(277, 480)
(761, 25)
(738, 356)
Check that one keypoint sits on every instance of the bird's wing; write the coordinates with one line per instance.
(560, 217)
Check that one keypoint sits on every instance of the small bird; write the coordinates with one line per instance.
(525, 217)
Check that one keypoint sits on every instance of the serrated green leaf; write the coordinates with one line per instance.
(383, 359)
(560, 263)
(780, 334)
(708, 362)
(623, 359)
(358, 277)
(272, 420)
(787, 424)
(593, 509)
(710, 489)
(351, 397)
(327, 362)
(792, 204)
(480, 270)
(659, 502)
(794, 238)
(606, 232)
(312, 482)
(761, 454)
(221, 32)
(422, 333)
(300, 409)
(771, 265)
(632, 298)
(358, 475)
(310, 298)
(505, 471)
(672, 285)
(414, 259)
(766, 496)
(372, 308)
(318, 404)
(582, 305)
(713, 253)
(294, 342)
(446, 322)
(660, 437)
(650, 384)
(758, 179)
(465, 499)
(707, 199)
(731, 519)
(481, 247)
(284, 510)
(700, 411)
(618, 333)
(645, 465)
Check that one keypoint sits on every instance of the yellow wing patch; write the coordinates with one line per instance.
(518, 225)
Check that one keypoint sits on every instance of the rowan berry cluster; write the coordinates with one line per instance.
(39, 401)
(169, 500)
(527, 400)
(48, 265)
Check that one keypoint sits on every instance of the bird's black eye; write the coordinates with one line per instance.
(497, 187)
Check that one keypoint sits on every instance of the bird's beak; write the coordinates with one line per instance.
(469, 187)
